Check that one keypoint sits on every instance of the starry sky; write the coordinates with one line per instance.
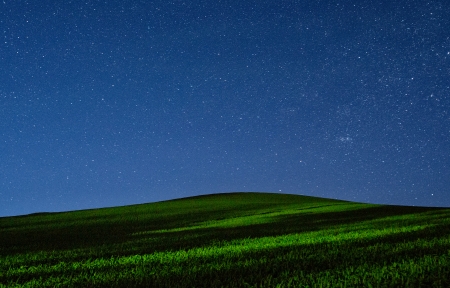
(108, 103)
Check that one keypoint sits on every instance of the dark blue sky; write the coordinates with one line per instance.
(107, 103)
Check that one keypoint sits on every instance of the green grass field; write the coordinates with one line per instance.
(229, 240)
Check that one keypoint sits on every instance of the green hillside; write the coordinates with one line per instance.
(229, 240)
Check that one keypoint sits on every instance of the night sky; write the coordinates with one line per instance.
(108, 103)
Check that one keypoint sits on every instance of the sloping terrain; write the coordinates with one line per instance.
(230, 240)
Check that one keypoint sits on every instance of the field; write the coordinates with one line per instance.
(229, 240)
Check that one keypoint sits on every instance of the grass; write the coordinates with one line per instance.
(229, 240)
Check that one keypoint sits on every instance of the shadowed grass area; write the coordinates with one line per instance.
(229, 240)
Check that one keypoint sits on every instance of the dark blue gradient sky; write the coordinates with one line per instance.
(107, 103)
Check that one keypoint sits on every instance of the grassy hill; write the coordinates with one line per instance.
(229, 240)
